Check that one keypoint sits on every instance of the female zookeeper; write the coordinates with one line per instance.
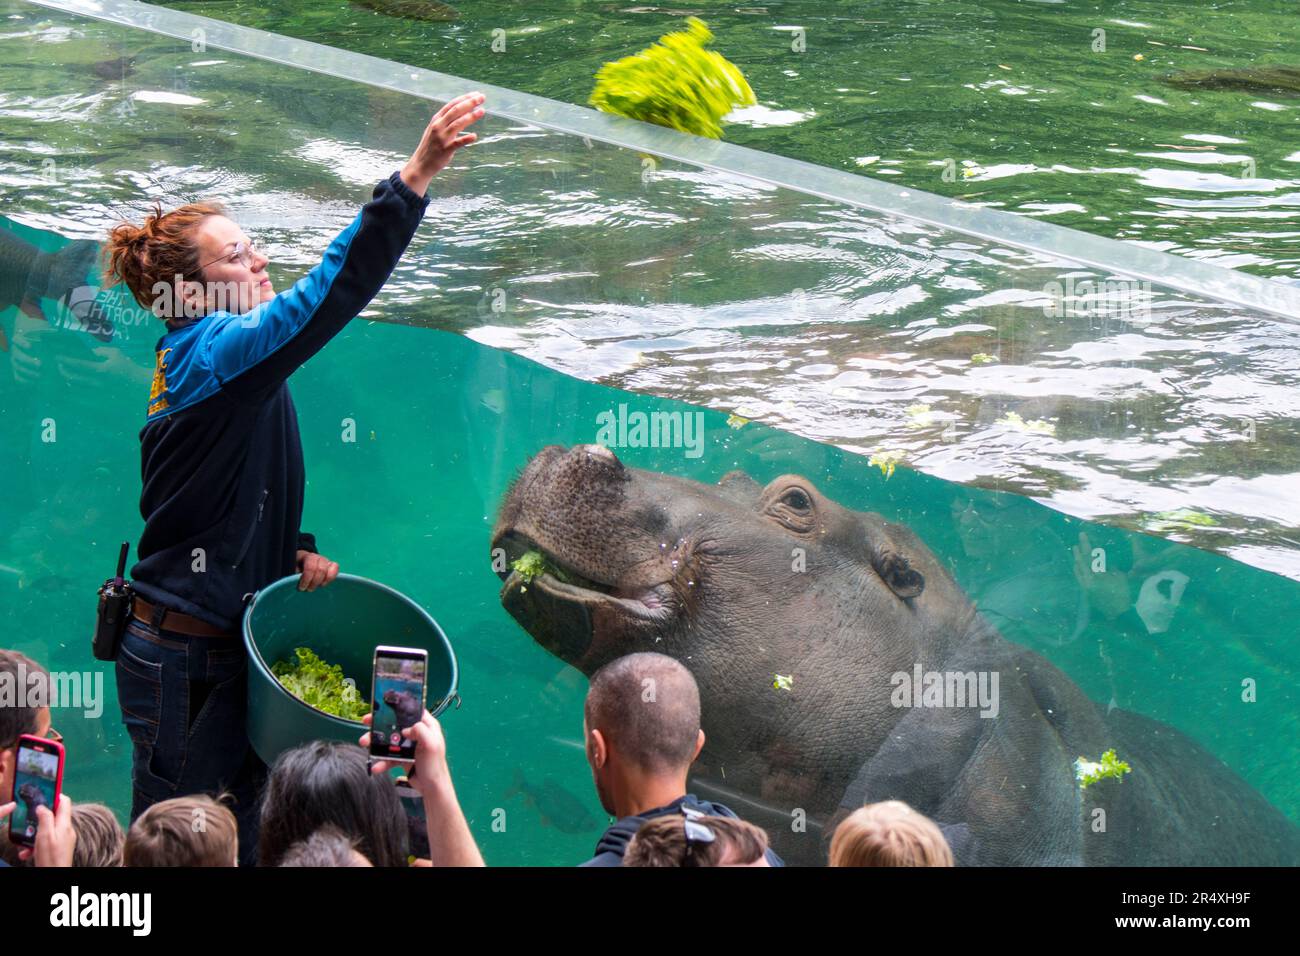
(222, 464)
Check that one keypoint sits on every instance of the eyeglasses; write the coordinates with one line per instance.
(244, 252)
(51, 735)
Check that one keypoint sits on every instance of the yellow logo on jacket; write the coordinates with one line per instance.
(157, 396)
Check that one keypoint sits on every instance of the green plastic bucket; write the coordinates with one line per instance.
(343, 623)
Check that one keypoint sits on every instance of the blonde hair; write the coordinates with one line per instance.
(889, 834)
(157, 251)
(183, 831)
(99, 836)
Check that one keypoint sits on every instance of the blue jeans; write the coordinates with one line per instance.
(184, 702)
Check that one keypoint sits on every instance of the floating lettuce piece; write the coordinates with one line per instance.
(1088, 772)
(885, 461)
(320, 685)
(983, 358)
(782, 682)
(919, 416)
(735, 421)
(674, 83)
(1034, 425)
(1183, 519)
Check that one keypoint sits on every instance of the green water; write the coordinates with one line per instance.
(1032, 116)
(847, 327)
(599, 272)
(444, 424)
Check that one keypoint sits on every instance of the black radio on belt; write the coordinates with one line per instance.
(114, 611)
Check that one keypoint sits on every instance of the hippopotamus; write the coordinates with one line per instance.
(33, 797)
(801, 621)
(405, 705)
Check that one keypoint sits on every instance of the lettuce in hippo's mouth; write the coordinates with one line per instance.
(530, 567)
(534, 563)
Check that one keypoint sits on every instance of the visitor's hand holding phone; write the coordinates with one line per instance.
(55, 837)
(430, 752)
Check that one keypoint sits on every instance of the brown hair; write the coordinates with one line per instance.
(14, 720)
(158, 251)
(99, 836)
(889, 834)
(326, 782)
(183, 831)
(662, 842)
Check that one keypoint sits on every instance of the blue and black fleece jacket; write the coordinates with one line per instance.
(221, 458)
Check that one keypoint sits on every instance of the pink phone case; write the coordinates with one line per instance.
(31, 742)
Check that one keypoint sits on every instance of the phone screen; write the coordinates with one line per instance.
(397, 700)
(38, 771)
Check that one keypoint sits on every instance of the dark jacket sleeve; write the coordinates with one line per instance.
(307, 542)
(255, 352)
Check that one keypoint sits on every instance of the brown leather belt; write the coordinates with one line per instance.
(143, 611)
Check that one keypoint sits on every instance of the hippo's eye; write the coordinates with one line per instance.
(791, 506)
(797, 499)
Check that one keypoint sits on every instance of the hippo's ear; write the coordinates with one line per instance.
(903, 579)
(737, 477)
(739, 487)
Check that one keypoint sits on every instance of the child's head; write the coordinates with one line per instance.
(99, 836)
(183, 831)
(664, 841)
(326, 847)
(326, 783)
(889, 834)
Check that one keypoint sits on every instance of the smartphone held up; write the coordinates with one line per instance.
(397, 700)
(38, 781)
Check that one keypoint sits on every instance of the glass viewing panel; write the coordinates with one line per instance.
(906, 373)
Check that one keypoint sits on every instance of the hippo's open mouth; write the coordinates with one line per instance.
(561, 582)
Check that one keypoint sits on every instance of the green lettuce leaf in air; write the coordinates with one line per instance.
(674, 83)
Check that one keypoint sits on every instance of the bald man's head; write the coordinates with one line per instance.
(648, 707)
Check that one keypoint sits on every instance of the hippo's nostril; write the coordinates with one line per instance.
(600, 452)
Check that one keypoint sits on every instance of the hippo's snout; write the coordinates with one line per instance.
(571, 548)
